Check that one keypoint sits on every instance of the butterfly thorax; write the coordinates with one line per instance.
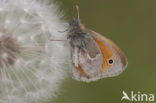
(76, 34)
(81, 39)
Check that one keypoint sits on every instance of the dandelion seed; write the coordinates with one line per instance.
(29, 69)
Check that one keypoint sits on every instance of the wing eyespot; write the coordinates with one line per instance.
(110, 61)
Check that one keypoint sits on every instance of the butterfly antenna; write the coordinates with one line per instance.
(78, 15)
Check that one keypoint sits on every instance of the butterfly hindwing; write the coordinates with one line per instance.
(86, 60)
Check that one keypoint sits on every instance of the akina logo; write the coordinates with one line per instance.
(137, 96)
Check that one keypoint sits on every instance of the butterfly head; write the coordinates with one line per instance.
(74, 24)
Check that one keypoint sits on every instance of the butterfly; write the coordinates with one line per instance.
(93, 56)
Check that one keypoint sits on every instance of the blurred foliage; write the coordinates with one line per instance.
(131, 25)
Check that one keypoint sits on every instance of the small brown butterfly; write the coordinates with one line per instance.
(93, 56)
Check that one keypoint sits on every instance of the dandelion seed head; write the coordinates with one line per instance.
(31, 65)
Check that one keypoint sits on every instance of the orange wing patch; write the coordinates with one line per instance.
(81, 72)
(123, 58)
(106, 53)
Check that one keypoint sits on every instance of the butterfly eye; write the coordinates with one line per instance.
(110, 61)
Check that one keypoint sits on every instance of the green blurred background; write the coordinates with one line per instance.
(131, 24)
